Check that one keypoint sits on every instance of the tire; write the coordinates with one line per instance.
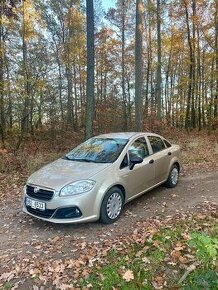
(111, 206)
(173, 177)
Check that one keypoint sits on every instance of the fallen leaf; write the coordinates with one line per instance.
(128, 276)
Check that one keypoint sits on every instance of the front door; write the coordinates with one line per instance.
(141, 177)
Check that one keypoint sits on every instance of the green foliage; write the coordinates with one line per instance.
(7, 286)
(202, 279)
(205, 277)
(158, 260)
(206, 247)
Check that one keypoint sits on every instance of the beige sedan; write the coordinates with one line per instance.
(96, 179)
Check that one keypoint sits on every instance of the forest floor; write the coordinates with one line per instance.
(38, 255)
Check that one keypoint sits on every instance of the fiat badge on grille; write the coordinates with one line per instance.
(36, 189)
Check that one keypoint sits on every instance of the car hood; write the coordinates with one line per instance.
(61, 172)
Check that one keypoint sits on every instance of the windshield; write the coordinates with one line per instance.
(99, 150)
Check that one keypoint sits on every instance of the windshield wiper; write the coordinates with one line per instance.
(66, 157)
(83, 160)
(79, 159)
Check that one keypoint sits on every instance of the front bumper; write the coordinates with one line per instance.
(63, 221)
(76, 209)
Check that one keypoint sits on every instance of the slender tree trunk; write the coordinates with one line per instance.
(210, 102)
(216, 50)
(194, 81)
(190, 81)
(149, 60)
(159, 78)
(90, 69)
(60, 88)
(26, 110)
(69, 73)
(39, 122)
(167, 86)
(101, 84)
(82, 96)
(10, 105)
(70, 114)
(105, 86)
(75, 97)
(138, 66)
(2, 113)
(203, 91)
(123, 67)
(199, 81)
(129, 106)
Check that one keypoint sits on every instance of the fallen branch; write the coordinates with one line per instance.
(190, 269)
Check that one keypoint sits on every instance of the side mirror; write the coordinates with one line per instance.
(134, 160)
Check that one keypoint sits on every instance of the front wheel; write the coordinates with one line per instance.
(173, 177)
(111, 206)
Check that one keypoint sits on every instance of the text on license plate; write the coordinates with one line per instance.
(35, 204)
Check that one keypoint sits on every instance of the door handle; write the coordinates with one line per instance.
(151, 161)
(169, 153)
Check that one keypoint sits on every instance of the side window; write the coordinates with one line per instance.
(125, 162)
(157, 143)
(139, 148)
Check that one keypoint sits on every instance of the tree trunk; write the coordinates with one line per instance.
(149, 61)
(75, 98)
(123, 67)
(199, 81)
(10, 101)
(203, 88)
(194, 81)
(138, 66)
(70, 114)
(216, 72)
(25, 117)
(190, 81)
(159, 78)
(60, 87)
(90, 69)
(2, 113)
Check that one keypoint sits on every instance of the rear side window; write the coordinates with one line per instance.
(157, 143)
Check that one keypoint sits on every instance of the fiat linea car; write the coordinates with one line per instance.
(94, 180)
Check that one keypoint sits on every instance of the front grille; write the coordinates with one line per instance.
(41, 213)
(41, 194)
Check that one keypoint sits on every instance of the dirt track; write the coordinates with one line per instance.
(195, 187)
(29, 245)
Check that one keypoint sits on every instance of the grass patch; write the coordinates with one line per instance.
(7, 286)
(162, 259)
(202, 279)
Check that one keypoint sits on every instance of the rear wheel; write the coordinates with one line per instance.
(173, 177)
(111, 206)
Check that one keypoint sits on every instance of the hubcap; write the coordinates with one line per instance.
(174, 176)
(114, 205)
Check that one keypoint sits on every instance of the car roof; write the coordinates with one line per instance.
(125, 135)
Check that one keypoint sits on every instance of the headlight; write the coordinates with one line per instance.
(77, 187)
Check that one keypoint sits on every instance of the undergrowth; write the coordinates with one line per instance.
(41, 149)
(176, 257)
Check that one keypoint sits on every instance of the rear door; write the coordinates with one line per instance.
(161, 156)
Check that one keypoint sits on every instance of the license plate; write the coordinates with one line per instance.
(35, 204)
